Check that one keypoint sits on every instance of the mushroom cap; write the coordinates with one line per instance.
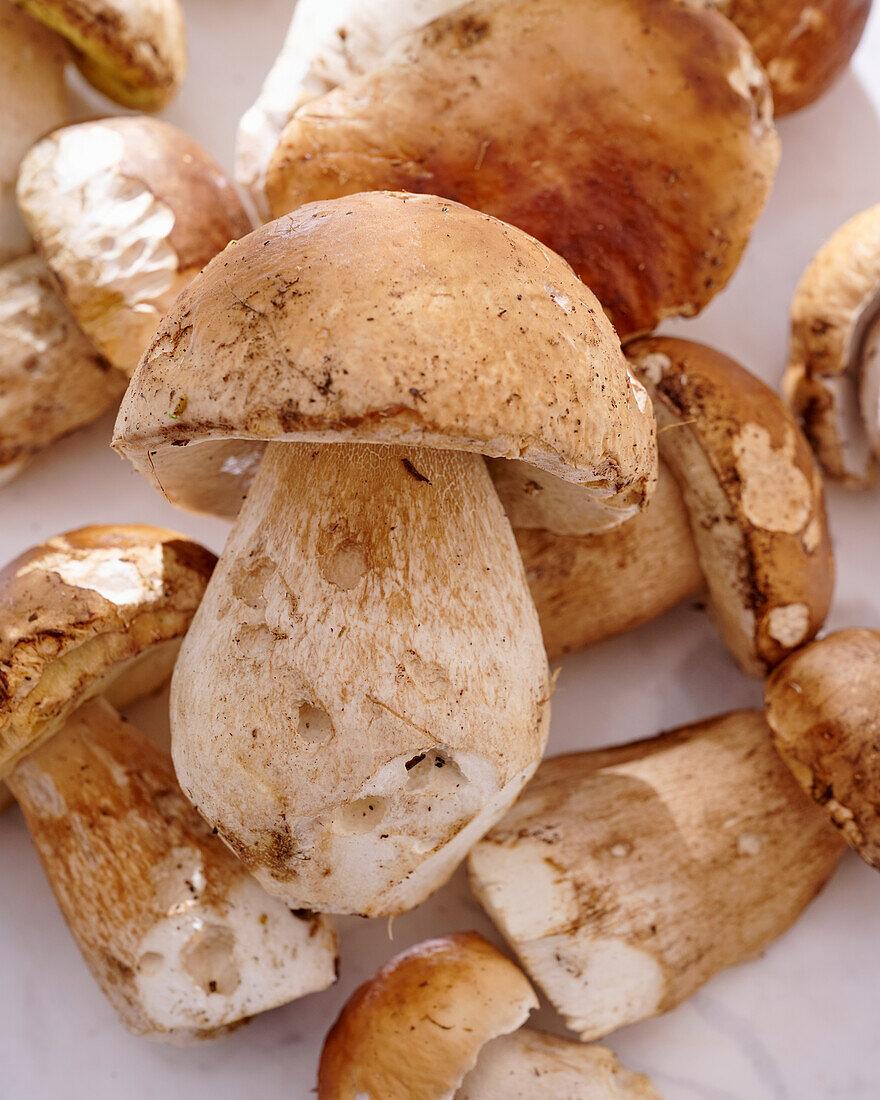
(823, 705)
(34, 98)
(414, 1030)
(124, 212)
(533, 1065)
(52, 380)
(803, 44)
(385, 318)
(837, 298)
(94, 610)
(134, 51)
(633, 137)
(753, 492)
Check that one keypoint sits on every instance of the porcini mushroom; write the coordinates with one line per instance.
(134, 51)
(833, 377)
(364, 690)
(180, 938)
(34, 99)
(753, 494)
(823, 705)
(439, 1022)
(625, 878)
(633, 137)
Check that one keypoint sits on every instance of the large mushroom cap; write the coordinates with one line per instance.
(414, 1030)
(830, 377)
(385, 318)
(634, 137)
(134, 51)
(86, 611)
(124, 212)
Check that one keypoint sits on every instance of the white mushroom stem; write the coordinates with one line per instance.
(869, 388)
(180, 938)
(364, 690)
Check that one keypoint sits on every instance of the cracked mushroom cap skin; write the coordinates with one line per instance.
(754, 495)
(124, 212)
(133, 51)
(373, 584)
(416, 1027)
(803, 44)
(625, 878)
(833, 377)
(52, 381)
(34, 98)
(823, 705)
(652, 207)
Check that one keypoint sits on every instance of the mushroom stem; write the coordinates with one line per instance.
(364, 689)
(869, 385)
(179, 937)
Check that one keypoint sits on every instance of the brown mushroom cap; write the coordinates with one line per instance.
(414, 1030)
(124, 212)
(803, 44)
(634, 137)
(836, 303)
(823, 705)
(134, 51)
(85, 611)
(52, 380)
(385, 318)
(754, 496)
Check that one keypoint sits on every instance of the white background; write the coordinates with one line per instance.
(802, 1022)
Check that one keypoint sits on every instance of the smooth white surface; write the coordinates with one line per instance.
(800, 1023)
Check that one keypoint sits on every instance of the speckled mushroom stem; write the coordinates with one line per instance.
(180, 938)
(364, 689)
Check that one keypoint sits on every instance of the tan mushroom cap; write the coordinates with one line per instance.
(633, 137)
(34, 98)
(52, 380)
(625, 878)
(803, 44)
(83, 611)
(836, 304)
(134, 51)
(823, 705)
(124, 212)
(414, 1030)
(753, 492)
(386, 318)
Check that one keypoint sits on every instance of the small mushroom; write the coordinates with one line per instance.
(753, 494)
(823, 705)
(364, 690)
(52, 380)
(633, 137)
(180, 938)
(134, 51)
(803, 44)
(625, 878)
(833, 377)
(34, 99)
(439, 1022)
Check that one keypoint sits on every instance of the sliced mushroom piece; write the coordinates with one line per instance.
(34, 99)
(52, 380)
(753, 493)
(180, 938)
(134, 51)
(125, 212)
(634, 137)
(365, 690)
(625, 878)
(823, 705)
(833, 377)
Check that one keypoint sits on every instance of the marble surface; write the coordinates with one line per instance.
(800, 1023)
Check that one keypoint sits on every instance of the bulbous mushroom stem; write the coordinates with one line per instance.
(364, 689)
(180, 938)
